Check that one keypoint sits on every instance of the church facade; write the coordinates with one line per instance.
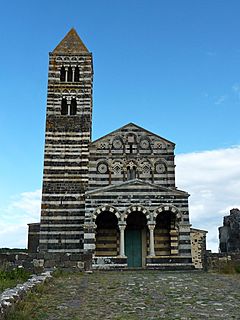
(114, 197)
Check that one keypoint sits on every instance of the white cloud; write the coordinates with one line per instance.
(23, 209)
(211, 177)
(28, 202)
(213, 180)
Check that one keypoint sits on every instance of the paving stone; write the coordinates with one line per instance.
(144, 295)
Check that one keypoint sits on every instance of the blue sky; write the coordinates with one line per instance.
(172, 67)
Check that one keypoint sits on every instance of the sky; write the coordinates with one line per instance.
(170, 66)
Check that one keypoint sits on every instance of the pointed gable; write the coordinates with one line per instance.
(137, 185)
(135, 128)
(71, 44)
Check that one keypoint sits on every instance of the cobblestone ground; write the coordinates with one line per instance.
(140, 295)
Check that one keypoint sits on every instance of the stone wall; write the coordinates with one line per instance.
(36, 262)
(221, 261)
(131, 150)
(33, 237)
(10, 297)
(198, 246)
(20, 259)
(229, 233)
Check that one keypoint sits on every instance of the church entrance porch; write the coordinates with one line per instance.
(122, 230)
(136, 238)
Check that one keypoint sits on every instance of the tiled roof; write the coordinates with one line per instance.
(71, 43)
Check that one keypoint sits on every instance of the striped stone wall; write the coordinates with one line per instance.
(66, 154)
(129, 170)
(132, 169)
(131, 148)
(144, 197)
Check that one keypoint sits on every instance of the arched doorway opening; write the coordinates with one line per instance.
(135, 239)
(107, 234)
(165, 222)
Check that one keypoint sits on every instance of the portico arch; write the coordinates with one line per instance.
(168, 208)
(136, 219)
(106, 232)
(167, 218)
(103, 209)
(137, 208)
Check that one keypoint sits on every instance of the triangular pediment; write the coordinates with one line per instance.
(135, 129)
(71, 44)
(128, 185)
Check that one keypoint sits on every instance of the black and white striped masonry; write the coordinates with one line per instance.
(115, 197)
(66, 155)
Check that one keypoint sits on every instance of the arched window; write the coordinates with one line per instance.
(73, 107)
(70, 74)
(76, 75)
(62, 74)
(64, 107)
(131, 173)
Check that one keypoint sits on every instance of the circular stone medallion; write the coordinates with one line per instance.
(160, 168)
(144, 144)
(102, 168)
(117, 144)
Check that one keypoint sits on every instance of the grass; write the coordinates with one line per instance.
(30, 308)
(26, 309)
(13, 250)
(229, 268)
(10, 278)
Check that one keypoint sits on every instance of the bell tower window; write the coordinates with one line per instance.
(62, 74)
(73, 107)
(69, 74)
(64, 107)
(68, 108)
(76, 75)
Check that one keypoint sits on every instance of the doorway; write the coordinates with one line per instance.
(135, 246)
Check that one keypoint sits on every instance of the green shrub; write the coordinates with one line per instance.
(229, 267)
(59, 273)
(11, 277)
(237, 268)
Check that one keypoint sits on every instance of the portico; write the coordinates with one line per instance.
(129, 234)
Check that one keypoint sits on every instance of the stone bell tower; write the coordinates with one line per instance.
(66, 154)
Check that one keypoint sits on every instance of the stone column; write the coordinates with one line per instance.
(122, 227)
(66, 73)
(69, 106)
(73, 73)
(151, 240)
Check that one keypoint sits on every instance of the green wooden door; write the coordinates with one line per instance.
(133, 247)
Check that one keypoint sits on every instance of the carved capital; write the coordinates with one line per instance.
(151, 226)
(122, 225)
